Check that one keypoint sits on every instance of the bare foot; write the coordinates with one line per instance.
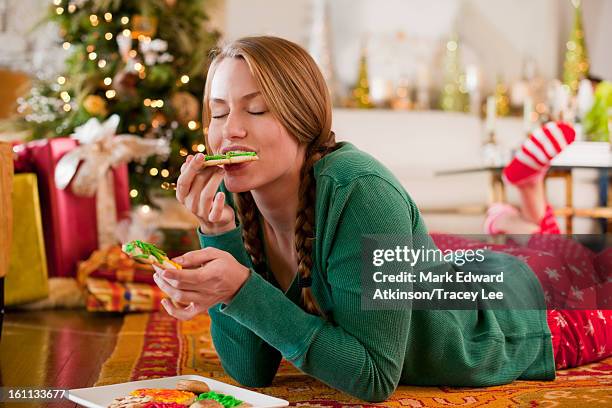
(515, 224)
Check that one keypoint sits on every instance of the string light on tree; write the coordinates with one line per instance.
(66, 45)
(71, 8)
(153, 172)
(59, 10)
(165, 173)
(126, 33)
(111, 93)
(108, 36)
(133, 193)
(108, 81)
(101, 63)
(201, 148)
(61, 80)
(93, 56)
(108, 17)
(65, 96)
(125, 20)
(185, 79)
(183, 152)
(192, 125)
(93, 19)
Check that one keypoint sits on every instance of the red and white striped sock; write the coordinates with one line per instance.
(548, 223)
(533, 158)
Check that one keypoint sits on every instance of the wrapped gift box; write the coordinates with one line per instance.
(107, 296)
(70, 227)
(27, 279)
(114, 265)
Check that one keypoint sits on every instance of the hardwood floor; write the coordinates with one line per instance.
(55, 349)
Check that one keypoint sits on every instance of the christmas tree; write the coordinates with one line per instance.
(576, 66)
(144, 60)
(454, 95)
(361, 91)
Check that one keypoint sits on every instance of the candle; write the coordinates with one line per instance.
(527, 110)
(490, 124)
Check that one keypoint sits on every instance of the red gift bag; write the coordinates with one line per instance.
(69, 221)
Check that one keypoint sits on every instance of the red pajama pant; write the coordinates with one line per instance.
(580, 279)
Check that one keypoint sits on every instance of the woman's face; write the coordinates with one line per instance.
(241, 121)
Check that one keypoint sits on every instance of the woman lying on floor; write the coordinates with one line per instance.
(280, 269)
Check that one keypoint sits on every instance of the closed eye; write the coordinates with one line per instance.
(219, 116)
(257, 113)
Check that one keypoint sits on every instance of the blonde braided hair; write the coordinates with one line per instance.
(296, 94)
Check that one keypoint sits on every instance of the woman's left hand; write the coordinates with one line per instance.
(210, 276)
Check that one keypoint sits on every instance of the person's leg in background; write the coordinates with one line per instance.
(569, 270)
(526, 172)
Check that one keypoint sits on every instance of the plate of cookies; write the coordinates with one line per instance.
(184, 391)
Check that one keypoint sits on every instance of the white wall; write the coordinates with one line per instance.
(499, 34)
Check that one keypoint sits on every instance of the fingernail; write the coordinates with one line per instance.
(199, 157)
(157, 269)
(178, 260)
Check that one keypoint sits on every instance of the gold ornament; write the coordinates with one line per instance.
(186, 106)
(159, 119)
(95, 105)
(143, 25)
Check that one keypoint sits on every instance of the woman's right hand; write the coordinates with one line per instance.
(196, 189)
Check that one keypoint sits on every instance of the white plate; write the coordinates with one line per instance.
(101, 397)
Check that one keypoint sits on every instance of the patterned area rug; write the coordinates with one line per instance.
(156, 345)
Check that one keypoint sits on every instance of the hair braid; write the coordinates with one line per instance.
(248, 215)
(304, 224)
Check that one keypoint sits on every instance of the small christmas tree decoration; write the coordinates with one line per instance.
(454, 95)
(576, 65)
(361, 91)
(502, 98)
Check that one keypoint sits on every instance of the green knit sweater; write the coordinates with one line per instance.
(367, 353)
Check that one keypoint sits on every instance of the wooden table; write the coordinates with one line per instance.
(497, 191)
(55, 349)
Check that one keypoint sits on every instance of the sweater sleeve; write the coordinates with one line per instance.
(362, 352)
(244, 355)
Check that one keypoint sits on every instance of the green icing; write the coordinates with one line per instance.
(228, 155)
(214, 157)
(226, 400)
(147, 250)
(235, 154)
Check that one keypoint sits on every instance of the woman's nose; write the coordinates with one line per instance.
(234, 126)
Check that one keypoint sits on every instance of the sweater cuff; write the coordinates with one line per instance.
(265, 309)
(229, 241)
